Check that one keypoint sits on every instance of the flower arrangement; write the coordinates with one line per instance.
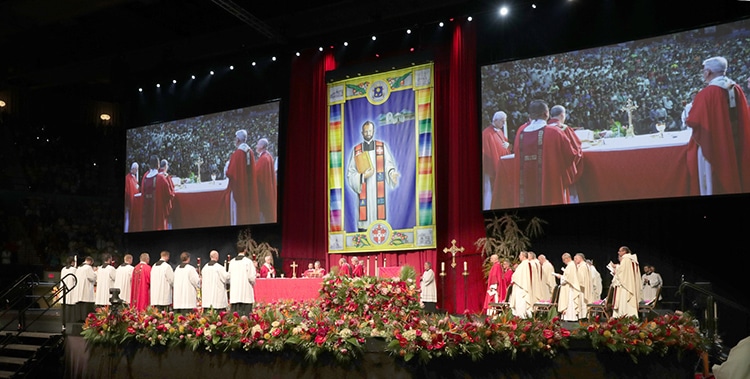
(351, 310)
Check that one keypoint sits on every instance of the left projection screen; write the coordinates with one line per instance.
(198, 172)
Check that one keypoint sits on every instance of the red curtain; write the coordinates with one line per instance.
(303, 208)
(458, 189)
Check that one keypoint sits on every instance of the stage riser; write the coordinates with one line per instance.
(142, 362)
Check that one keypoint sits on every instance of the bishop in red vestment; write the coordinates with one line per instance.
(494, 145)
(157, 196)
(495, 282)
(344, 268)
(265, 174)
(131, 188)
(140, 289)
(720, 120)
(558, 114)
(242, 187)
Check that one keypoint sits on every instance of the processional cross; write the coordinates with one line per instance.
(199, 162)
(294, 266)
(629, 107)
(453, 250)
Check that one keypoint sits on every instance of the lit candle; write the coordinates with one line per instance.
(442, 266)
(465, 268)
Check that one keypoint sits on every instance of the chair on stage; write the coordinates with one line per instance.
(602, 307)
(496, 308)
(545, 306)
(647, 306)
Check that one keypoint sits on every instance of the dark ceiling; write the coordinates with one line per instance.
(52, 42)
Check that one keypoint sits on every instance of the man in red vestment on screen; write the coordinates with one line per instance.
(140, 289)
(167, 207)
(557, 117)
(157, 196)
(719, 148)
(265, 174)
(358, 270)
(543, 155)
(494, 145)
(242, 187)
(495, 281)
(131, 188)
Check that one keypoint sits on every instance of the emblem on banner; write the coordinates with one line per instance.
(379, 234)
(378, 92)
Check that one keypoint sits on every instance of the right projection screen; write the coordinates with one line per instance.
(626, 105)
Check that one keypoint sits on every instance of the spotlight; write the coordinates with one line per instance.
(158, 85)
(253, 64)
(192, 77)
(408, 31)
(212, 72)
(441, 24)
(231, 67)
(140, 89)
(533, 6)
(346, 43)
(174, 81)
(273, 58)
(504, 11)
(469, 18)
(374, 38)
(320, 48)
(105, 117)
(2, 104)
(297, 53)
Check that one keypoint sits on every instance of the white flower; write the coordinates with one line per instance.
(410, 335)
(256, 329)
(345, 333)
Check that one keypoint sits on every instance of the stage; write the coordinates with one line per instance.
(135, 361)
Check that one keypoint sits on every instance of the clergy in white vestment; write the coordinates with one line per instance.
(86, 277)
(596, 281)
(548, 277)
(105, 279)
(213, 284)
(68, 283)
(584, 285)
(521, 293)
(124, 278)
(569, 302)
(162, 280)
(537, 292)
(627, 284)
(186, 284)
(242, 275)
(651, 284)
(428, 289)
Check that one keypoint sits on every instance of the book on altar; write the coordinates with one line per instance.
(362, 161)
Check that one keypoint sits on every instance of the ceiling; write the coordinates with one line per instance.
(53, 42)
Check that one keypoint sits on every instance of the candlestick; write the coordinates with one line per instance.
(376, 266)
(442, 266)
(384, 265)
(465, 268)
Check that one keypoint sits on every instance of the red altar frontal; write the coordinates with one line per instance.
(270, 290)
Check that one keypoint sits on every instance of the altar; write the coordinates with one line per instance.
(195, 205)
(270, 290)
(640, 167)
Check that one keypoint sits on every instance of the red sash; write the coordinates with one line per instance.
(380, 182)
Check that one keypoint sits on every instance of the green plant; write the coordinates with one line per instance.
(507, 235)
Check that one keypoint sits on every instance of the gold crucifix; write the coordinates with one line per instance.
(294, 269)
(453, 250)
(629, 107)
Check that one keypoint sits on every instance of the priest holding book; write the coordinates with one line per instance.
(371, 169)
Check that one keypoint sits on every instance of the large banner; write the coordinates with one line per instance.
(380, 162)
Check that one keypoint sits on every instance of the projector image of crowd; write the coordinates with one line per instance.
(661, 75)
(207, 139)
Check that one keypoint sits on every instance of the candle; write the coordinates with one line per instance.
(442, 266)
(465, 269)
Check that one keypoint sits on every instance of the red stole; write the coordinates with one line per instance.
(380, 182)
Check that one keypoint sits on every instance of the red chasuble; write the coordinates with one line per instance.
(495, 278)
(358, 271)
(344, 270)
(131, 188)
(492, 149)
(266, 178)
(242, 185)
(157, 194)
(141, 284)
(543, 157)
(725, 146)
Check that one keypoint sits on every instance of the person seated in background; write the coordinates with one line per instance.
(318, 271)
(309, 272)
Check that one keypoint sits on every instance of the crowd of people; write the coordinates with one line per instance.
(533, 280)
(182, 289)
